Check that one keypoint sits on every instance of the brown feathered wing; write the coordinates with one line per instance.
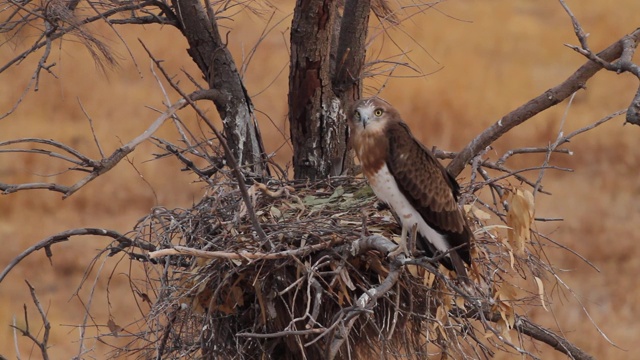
(432, 191)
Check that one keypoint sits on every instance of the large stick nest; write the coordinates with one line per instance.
(320, 286)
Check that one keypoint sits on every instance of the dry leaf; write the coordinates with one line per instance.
(344, 276)
(428, 279)
(263, 310)
(479, 214)
(447, 302)
(236, 262)
(275, 212)
(253, 194)
(503, 328)
(439, 328)
(113, 327)
(512, 259)
(503, 296)
(441, 314)
(145, 297)
(420, 273)
(236, 297)
(338, 192)
(414, 270)
(541, 292)
(519, 218)
(506, 292)
(339, 215)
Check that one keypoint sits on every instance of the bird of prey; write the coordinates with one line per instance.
(404, 174)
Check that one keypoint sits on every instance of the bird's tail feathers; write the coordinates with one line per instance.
(458, 267)
(453, 260)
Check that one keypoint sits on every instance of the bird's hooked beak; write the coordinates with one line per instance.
(361, 117)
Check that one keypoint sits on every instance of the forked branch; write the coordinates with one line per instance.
(624, 64)
(542, 102)
(43, 345)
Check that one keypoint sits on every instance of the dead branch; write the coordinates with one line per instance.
(366, 301)
(210, 52)
(95, 168)
(61, 31)
(540, 103)
(557, 342)
(624, 64)
(43, 345)
(82, 160)
(57, 20)
(244, 255)
(65, 235)
(561, 139)
(529, 150)
(313, 294)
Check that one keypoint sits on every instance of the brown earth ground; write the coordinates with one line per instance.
(483, 60)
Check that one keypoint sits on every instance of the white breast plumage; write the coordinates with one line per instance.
(386, 189)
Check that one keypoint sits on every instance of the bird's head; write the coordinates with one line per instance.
(370, 115)
(369, 120)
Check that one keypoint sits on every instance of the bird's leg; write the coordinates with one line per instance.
(413, 239)
(402, 246)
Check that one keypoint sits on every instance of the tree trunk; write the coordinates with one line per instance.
(316, 133)
(216, 63)
(350, 57)
(327, 56)
(351, 51)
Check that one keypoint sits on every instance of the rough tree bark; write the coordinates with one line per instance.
(212, 56)
(351, 50)
(324, 79)
(350, 57)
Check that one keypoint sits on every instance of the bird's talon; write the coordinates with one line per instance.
(399, 250)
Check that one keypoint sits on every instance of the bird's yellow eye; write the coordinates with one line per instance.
(378, 112)
(356, 116)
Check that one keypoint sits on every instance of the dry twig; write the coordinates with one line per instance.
(43, 345)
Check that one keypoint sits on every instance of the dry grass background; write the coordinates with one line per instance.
(485, 57)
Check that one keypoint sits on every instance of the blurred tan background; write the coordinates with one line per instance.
(484, 58)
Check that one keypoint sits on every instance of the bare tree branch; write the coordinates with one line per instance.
(369, 299)
(624, 64)
(211, 54)
(183, 250)
(59, 32)
(557, 342)
(64, 236)
(544, 101)
(43, 345)
(96, 168)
